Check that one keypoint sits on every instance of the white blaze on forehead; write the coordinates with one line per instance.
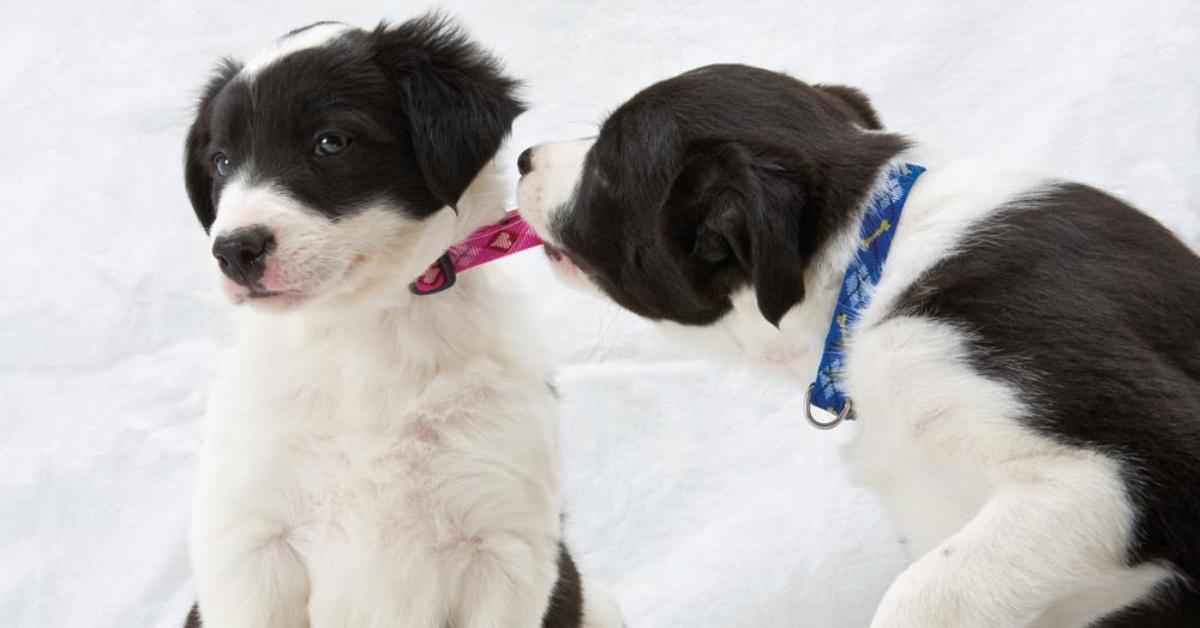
(311, 37)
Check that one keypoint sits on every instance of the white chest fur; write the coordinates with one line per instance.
(376, 465)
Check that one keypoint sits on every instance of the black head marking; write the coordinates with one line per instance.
(416, 110)
(722, 177)
(721, 219)
(198, 174)
(857, 102)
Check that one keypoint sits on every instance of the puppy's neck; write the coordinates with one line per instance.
(793, 350)
(385, 288)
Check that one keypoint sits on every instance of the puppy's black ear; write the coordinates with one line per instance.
(856, 102)
(197, 173)
(738, 210)
(460, 105)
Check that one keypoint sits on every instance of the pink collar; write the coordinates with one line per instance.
(488, 243)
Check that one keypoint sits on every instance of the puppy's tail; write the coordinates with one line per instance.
(600, 609)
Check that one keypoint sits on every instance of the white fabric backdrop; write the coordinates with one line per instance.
(695, 491)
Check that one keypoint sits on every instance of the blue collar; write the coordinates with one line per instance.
(862, 275)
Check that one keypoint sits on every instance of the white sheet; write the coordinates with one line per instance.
(697, 493)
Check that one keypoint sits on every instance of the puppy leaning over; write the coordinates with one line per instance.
(372, 458)
(1022, 355)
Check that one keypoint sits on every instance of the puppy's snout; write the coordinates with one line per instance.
(242, 254)
(525, 161)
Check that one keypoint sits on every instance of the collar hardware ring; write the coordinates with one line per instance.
(845, 415)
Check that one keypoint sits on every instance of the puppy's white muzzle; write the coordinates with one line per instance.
(553, 171)
(550, 178)
(270, 250)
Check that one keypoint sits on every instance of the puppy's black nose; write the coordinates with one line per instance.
(242, 254)
(525, 161)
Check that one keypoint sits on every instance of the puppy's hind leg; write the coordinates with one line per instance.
(1052, 526)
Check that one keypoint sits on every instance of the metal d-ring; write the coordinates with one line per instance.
(842, 416)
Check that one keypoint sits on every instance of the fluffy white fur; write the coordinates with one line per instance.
(1005, 527)
(374, 459)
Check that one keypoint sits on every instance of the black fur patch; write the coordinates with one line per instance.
(193, 618)
(197, 162)
(566, 602)
(1172, 606)
(1092, 310)
(724, 176)
(422, 106)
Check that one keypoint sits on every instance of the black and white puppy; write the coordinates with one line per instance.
(1026, 375)
(371, 458)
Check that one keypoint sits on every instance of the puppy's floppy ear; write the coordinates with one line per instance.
(460, 105)
(197, 174)
(856, 102)
(738, 209)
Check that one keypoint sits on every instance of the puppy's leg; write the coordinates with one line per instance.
(510, 584)
(1051, 527)
(248, 576)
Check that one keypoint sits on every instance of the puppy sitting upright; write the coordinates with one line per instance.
(372, 458)
(1022, 355)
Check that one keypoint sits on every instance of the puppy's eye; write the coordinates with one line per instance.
(222, 165)
(331, 143)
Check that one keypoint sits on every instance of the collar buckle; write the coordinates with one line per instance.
(439, 277)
